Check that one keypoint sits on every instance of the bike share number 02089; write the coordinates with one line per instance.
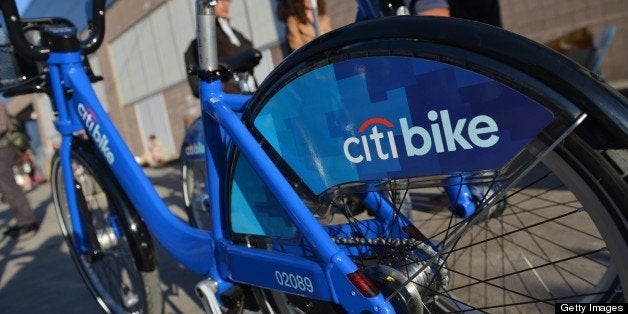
(294, 281)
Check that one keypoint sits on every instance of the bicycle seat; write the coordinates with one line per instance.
(242, 62)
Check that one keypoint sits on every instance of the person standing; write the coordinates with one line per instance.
(428, 7)
(14, 195)
(229, 42)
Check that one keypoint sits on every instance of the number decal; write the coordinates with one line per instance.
(294, 281)
(308, 284)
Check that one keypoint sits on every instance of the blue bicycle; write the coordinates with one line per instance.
(193, 170)
(395, 165)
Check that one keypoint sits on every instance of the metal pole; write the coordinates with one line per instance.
(206, 35)
(314, 8)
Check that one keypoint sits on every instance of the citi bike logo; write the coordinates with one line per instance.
(93, 128)
(194, 148)
(441, 136)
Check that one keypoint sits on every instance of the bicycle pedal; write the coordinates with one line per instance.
(206, 292)
(233, 298)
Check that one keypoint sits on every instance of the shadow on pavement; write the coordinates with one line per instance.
(37, 274)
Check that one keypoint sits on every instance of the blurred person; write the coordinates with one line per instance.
(429, 7)
(485, 11)
(25, 220)
(299, 19)
(23, 171)
(229, 42)
(155, 155)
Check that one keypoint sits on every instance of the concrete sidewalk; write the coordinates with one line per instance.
(37, 274)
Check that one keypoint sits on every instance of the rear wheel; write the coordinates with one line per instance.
(194, 174)
(557, 235)
(556, 240)
(112, 275)
(194, 196)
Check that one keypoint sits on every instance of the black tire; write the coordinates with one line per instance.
(194, 175)
(588, 202)
(196, 202)
(123, 277)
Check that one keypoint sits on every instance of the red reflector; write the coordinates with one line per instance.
(363, 284)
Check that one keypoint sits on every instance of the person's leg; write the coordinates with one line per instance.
(13, 194)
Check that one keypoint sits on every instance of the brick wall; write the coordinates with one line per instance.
(341, 12)
(122, 116)
(120, 16)
(179, 103)
(542, 20)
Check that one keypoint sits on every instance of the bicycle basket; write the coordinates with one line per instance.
(15, 70)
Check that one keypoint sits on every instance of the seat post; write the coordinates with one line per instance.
(206, 35)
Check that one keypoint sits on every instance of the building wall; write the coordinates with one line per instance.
(120, 16)
(341, 12)
(543, 20)
(540, 20)
(124, 15)
(181, 105)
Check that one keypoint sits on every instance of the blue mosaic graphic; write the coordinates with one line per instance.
(332, 125)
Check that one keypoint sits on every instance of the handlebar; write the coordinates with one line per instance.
(13, 22)
(96, 27)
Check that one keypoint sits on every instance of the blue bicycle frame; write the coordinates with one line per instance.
(328, 274)
(507, 147)
(82, 111)
(328, 278)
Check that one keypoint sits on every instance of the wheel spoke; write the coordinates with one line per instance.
(532, 236)
(532, 268)
(518, 230)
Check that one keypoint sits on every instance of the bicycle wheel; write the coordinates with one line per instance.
(557, 234)
(194, 175)
(113, 275)
(194, 195)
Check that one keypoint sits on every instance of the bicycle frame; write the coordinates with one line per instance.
(316, 267)
(328, 274)
(220, 114)
(211, 254)
(83, 111)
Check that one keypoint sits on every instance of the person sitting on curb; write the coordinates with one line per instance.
(155, 155)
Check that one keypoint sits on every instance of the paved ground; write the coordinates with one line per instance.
(37, 274)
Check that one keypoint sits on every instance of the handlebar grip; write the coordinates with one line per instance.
(96, 28)
(40, 53)
(16, 36)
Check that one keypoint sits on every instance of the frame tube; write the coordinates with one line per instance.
(192, 247)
